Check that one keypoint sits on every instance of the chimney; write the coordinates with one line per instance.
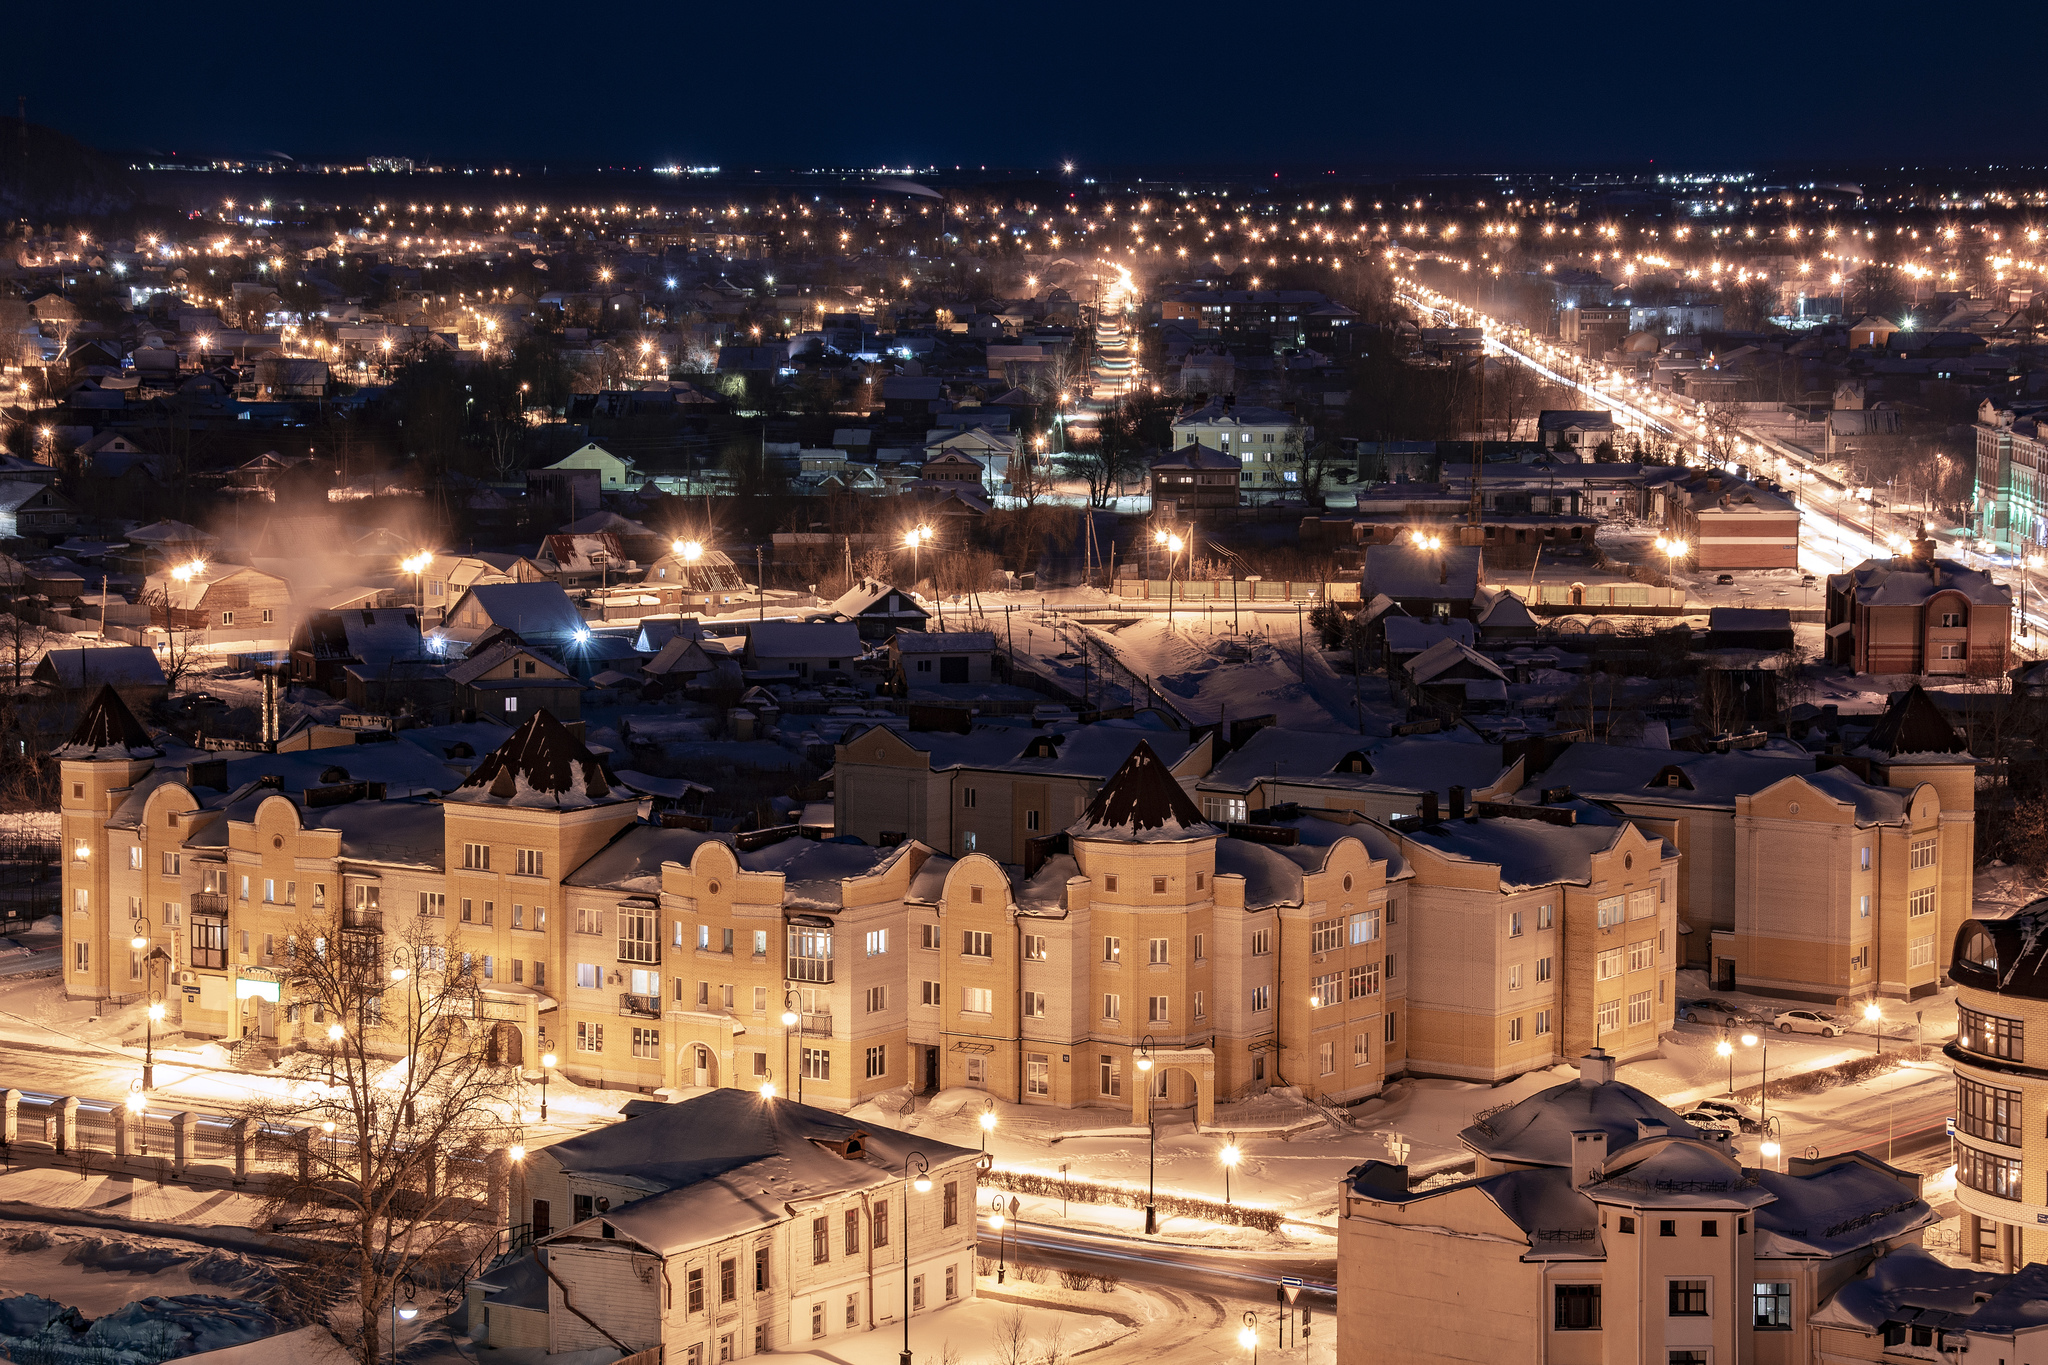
(1596, 1068)
(1923, 550)
(1589, 1149)
(1457, 803)
(1429, 811)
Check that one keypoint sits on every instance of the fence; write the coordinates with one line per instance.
(31, 883)
(1243, 592)
(1121, 1196)
(1602, 595)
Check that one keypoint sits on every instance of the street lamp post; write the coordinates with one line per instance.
(1764, 1078)
(1874, 1016)
(922, 1183)
(1151, 1136)
(1000, 1223)
(917, 537)
(416, 565)
(1248, 1335)
(790, 1019)
(547, 1065)
(1673, 550)
(156, 1007)
(1229, 1157)
(1724, 1048)
(988, 1124)
(1173, 545)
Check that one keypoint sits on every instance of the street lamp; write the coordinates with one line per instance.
(790, 1019)
(1764, 1078)
(1724, 1048)
(1874, 1016)
(917, 537)
(1229, 1157)
(1172, 544)
(1771, 1146)
(988, 1123)
(1151, 1135)
(997, 1221)
(1673, 550)
(922, 1183)
(547, 1064)
(416, 565)
(1248, 1335)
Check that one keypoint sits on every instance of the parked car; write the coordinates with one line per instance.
(1713, 1124)
(1809, 1021)
(1711, 1011)
(1724, 579)
(1744, 1118)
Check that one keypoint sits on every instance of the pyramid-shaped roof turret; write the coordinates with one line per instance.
(107, 731)
(544, 764)
(1913, 724)
(1143, 802)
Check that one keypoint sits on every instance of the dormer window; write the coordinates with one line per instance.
(1980, 950)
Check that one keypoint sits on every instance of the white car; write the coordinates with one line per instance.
(1808, 1021)
(1741, 1115)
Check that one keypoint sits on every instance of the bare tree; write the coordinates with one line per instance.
(1013, 1343)
(183, 646)
(396, 1107)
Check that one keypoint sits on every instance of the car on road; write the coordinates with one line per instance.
(1713, 1124)
(1809, 1021)
(1724, 579)
(1712, 1011)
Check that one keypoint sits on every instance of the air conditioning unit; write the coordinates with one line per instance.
(188, 978)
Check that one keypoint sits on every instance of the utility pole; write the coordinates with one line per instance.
(760, 588)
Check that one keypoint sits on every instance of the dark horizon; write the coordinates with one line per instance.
(1494, 88)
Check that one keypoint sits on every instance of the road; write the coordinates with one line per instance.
(1224, 1273)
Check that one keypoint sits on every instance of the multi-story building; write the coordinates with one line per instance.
(1600, 1227)
(1916, 613)
(1730, 523)
(731, 1225)
(2001, 1115)
(1336, 772)
(1536, 932)
(993, 789)
(2011, 478)
(1268, 444)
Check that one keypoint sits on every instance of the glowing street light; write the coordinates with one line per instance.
(547, 1066)
(1229, 1156)
(988, 1123)
(1874, 1016)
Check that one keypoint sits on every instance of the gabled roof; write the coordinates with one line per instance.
(1448, 654)
(122, 665)
(497, 652)
(529, 608)
(540, 764)
(1143, 802)
(804, 640)
(864, 597)
(1913, 724)
(107, 731)
(943, 642)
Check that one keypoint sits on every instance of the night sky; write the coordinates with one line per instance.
(1293, 87)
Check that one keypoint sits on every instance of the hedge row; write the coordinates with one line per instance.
(1123, 1196)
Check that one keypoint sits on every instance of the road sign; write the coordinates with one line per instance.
(1290, 1287)
(1951, 1125)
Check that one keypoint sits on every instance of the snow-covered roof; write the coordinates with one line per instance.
(1451, 573)
(122, 665)
(1911, 1285)
(1528, 853)
(1409, 635)
(943, 642)
(499, 651)
(804, 640)
(1620, 772)
(1448, 654)
(541, 764)
(107, 731)
(1095, 751)
(728, 1162)
(1143, 803)
(400, 833)
(1538, 1131)
(1848, 1205)
(1906, 582)
(1410, 764)
(863, 599)
(529, 608)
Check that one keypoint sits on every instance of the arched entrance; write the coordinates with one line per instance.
(507, 1046)
(703, 1067)
(1192, 1068)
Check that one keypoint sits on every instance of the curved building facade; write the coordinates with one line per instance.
(2000, 1058)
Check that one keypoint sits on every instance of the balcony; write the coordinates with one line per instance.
(214, 903)
(639, 1006)
(365, 921)
(815, 1024)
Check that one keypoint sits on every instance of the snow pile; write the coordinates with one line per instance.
(141, 1333)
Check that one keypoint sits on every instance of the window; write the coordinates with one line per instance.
(1111, 1079)
(1686, 1355)
(1031, 820)
(1112, 1007)
(1224, 809)
(1863, 907)
(1542, 917)
(852, 1300)
(1688, 1298)
(589, 1037)
(928, 936)
(1983, 1111)
(646, 1041)
(1109, 883)
(728, 1280)
(1578, 1308)
(878, 942)
(1112, 949)
(931, 993)
(1607, 965)
(1609, 1015)
(1610, 910)
(1628, 1224)
(1037, 1074)
(916, 1292)
(877, 1065)
(433, 903)
(1392, 1029)
(1710, 1227)
(1991, 1035)
(586, 975)
(878, 999)
(1958, 650)
(1920, 951)
(1365, 981)
(1262, 998)
(1034, 1004)
(976, 943)
(588, 921)
(1365, 927)
(952, 1281)
(476, 857)
(1667, 1227)
(81, 957)
(1262, 942)
(760, 1269)
(1515, 1029)
(810, 954)
(1325, 990)
(1919, 901)
(1639, 1008)
(817, 1064)
(951, 1215)
(1325, 936)
(977, 1000)
(209, 942)
(1156, 1009)
(693, 1291)
(1196, 949)
(1515, 977)
(881, 1225)
(1159, 886)
(1921, 854)
(171, 866)
(1542, 970)
(1773, 1304)
(1155, 952)
(1951, 619)
(1361, 1049)
(1639, 954)
(821, 1240)
(227, 618)
(1201, 1010)
(1034, 947)
(526, 862)
(1542, 1022)
(1642, 904)
(967, 798)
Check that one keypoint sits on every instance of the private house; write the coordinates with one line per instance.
(921, 658)
(879, 610)
(1455, 678)
(1918, 614)
(73, 676)
(506, 680)
(1599, 1226)
(954, 466)
(227, 602)
(169, 544)
(1194, 478)
(709, 579)
(35, 511)
(799, 648)
(1335, 772)
(1580, 431)
(1429, 585)
(730, 1225)
(538, 612)
(614, 475)
(327, 643)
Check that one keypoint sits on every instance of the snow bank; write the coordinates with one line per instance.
(141, 1333)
